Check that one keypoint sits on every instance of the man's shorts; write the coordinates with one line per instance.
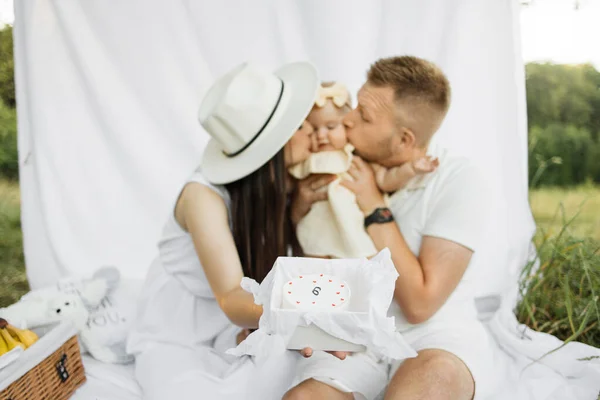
(367, 377)
(360, 373)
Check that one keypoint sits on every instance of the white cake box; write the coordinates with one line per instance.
(334, 322)
(315, 293)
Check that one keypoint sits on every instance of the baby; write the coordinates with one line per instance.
(335, 228)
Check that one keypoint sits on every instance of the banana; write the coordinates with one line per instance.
(3, 346)
(24, 336)
(10, 341)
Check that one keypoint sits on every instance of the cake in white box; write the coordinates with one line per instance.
(316, 292)
(326, 304)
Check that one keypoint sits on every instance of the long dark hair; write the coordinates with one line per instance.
(261, 226)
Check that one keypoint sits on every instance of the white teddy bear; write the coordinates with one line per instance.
(77, 301)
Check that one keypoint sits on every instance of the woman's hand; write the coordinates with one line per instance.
(307, 192)
(364, 187)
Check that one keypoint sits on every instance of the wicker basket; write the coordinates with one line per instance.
(55, 378)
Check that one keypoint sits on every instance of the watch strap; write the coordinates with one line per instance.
(381, 215)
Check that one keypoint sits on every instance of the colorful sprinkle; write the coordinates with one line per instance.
(330, 280)
(342, 299)
(297, 302)
(337, 292)
(289, 292)
(333, 305)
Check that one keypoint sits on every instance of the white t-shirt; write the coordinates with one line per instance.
(451, 203)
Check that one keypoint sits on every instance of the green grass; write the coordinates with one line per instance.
(553, 207)
(561, 288)
(560, 297)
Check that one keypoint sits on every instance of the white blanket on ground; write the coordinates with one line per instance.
(107, 98)
(535, 371)
(564, 375)
(108, 382)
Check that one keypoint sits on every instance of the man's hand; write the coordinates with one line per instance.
(364, 187)
(307, 192)
(308, 352)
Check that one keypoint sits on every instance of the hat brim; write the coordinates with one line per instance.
(300, 81)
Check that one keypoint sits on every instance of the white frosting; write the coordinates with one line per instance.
(316, 292)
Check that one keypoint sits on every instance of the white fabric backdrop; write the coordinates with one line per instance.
(107, 98)
(108, 93)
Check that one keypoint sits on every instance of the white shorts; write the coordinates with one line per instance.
(360, 373)
(468, 340)
(367, 377)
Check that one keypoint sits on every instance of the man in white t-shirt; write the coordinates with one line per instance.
(433, 227)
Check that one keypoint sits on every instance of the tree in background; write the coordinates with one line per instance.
(566, 94)
(9, 164)
(7, 68)
(563, 107)
(567, 153)
(9, 158)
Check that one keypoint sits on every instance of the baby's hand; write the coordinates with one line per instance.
(425, 165)
(379, 174)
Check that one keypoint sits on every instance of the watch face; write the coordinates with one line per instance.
(386, 213)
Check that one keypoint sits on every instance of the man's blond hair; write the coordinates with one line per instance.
(421, 91)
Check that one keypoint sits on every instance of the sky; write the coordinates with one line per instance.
(6, 12)
(551, 30)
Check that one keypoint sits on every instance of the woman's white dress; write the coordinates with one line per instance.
(181, 334)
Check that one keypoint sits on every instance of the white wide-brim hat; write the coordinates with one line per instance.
(251, 114)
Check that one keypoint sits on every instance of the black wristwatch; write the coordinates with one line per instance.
(381, 215)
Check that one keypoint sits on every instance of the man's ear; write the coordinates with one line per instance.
(409, 140)
(403, 139)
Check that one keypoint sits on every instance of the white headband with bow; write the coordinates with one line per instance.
(336, 92)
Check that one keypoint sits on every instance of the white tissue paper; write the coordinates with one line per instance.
(363, 323)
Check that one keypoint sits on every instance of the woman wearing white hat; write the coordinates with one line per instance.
(192, 305)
